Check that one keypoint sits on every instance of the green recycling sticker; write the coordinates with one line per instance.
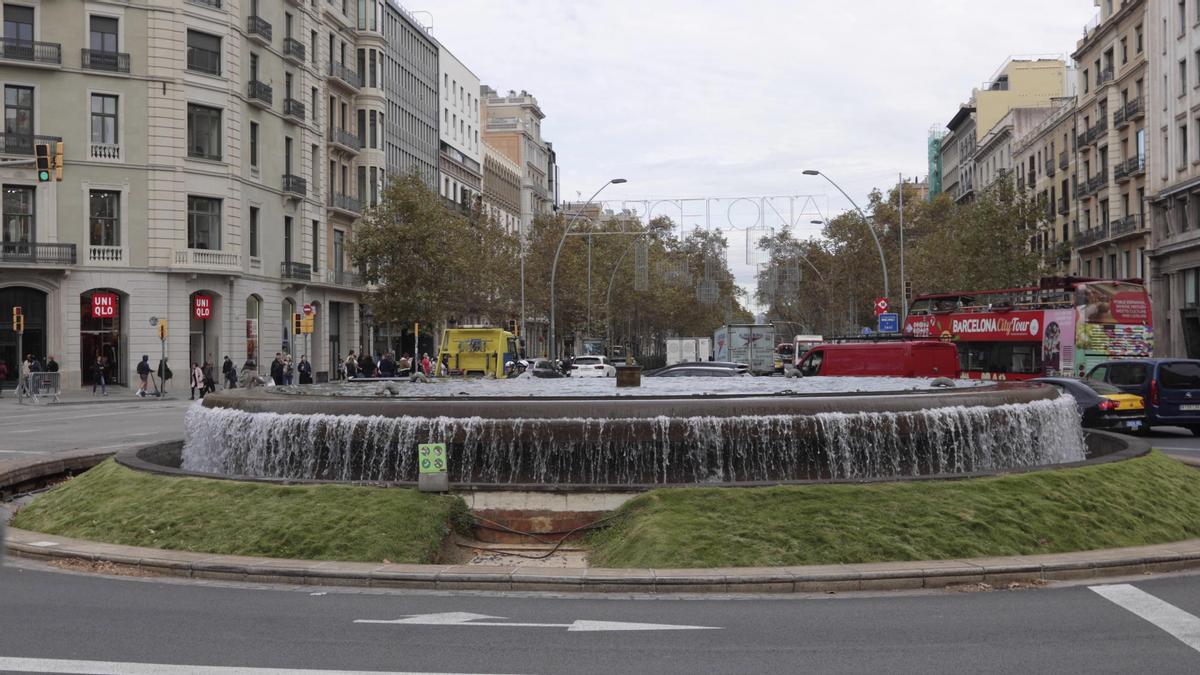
(432, 457)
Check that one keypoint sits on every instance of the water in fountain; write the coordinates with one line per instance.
(629, 451)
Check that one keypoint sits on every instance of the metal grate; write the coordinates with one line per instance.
(641, 266)
(708, 292)
(675, 271)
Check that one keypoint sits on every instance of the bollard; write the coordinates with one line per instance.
(431, 459)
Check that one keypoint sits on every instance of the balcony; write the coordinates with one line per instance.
(1064, 160)
(1120, 121)
(259, 93)
(1081, 142)
(341, 74)
(1064, 206)
(1131, 224)
(295, 271)
(293, 108)
(1091, 237)
(258, 29)
(293, 49)
(294, 185)
(22, 144)
(1097, 182)
(1050, 167)
(1135, 109)
(112, 62)
(40, 53)
(345, 204)
(1105, 76)
(1097, 132)
(343, 278)
(108, 256)
(1030, 180)
(344, 140)
(207, 260)
(34, 253)
(104, 152)
(215, 4)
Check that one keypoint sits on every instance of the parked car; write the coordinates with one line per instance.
(1101, 405)
(1169, 387)
(592, 366)
(727, 365)
(700, 370)
(544, 368)
(881, 359)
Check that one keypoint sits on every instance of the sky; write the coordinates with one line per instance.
(698, 98)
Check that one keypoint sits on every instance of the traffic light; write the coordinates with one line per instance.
(42, 153)
(512, 326)
(297, 323)
(162, 329)
(18, 320)
(58, 161)
(908, 290)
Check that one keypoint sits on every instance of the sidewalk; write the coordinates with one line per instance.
(84, 395)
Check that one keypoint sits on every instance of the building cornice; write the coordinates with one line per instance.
(1100, 32)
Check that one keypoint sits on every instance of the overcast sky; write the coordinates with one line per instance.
(696, 98)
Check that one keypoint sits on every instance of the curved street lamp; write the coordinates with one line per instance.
(866, 221)
(558, 252)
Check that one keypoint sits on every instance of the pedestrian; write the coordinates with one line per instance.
(164, 374)
(3, 376)
(197, 381)
(210, 385)
(426, 364)
(143, 371)
(288, 370)
(277, 369)
(404, 368)
(366, 365)
(387, 366)
(51, 365)
(98, 377)
(446, 365)
(351, 365)
(229, 371)
(305, 370)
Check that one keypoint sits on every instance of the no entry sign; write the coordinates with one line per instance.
(308, 309)
(104, 305)
(202, 306)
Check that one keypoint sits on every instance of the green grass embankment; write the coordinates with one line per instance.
(114, 504)
(1150, 500)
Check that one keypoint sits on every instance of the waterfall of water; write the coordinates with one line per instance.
(629, 451)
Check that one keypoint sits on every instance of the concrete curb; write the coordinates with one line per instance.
(802, 579)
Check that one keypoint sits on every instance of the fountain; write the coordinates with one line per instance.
(564, 432)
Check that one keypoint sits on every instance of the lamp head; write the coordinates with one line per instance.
(617, 181)
(811, 172)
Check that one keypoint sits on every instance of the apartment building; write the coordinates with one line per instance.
(1044, 155)
(513, 126)
(501, 188)
(461, 145)
(1173, 175)
(958, 155)
(1111, 143)
(218, 154)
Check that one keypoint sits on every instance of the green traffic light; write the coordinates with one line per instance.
(44, 176)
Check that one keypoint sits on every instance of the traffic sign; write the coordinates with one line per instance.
(889, 322)
(881, 306)
(308, 309)
(162, 329)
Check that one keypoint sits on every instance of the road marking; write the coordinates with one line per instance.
(579, 625)
(1167, 447)
(1183, 626)
(9, 664)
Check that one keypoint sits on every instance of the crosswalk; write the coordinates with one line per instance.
(1179, 624)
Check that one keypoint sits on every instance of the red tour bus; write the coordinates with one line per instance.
(1063, 326)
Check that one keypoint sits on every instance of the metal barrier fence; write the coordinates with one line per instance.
(36, 386)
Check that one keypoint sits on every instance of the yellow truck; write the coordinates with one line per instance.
(477, 351)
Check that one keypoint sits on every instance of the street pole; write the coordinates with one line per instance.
(589, 295)
(903, 287)
(866, 221)
(558, 252)
(524, 329)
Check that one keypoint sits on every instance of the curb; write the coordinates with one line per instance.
(934, 574)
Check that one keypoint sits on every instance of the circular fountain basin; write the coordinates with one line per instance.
(585, 432)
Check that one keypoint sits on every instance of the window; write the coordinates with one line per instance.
(104, 119)
(204, 223)
(254, 67)
(312, 39)
(1127, 374)
(316, 245)
(102, 36)
(204, 132)
(1179, 375)
(1182, 77)
(1124, 51)
(104, 218)
(254, 145)
(362, 127)
(1138, 38)
(253, 231)
(203, 52)
(316, 165)
(372, 67)
(18, 28)
(287, 240)
(19, 221)
(1182, 6)
(374, 131)
(18, 119)
(1086, 81)
(1183, 145)
(374, 187)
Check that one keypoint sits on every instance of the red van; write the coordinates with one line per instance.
(882, 359)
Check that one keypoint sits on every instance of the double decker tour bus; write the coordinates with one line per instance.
(1062, 326)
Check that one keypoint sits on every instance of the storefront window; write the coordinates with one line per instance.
(100, 313)
(104, 210)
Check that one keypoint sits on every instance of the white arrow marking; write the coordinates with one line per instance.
(469, 619)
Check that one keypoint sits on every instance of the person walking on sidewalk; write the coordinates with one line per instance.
(98, 377)
(197, 381)
(143, 371)
(230, 373)
(305, 370)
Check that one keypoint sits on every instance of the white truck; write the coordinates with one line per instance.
(688, 349)
(752, 344)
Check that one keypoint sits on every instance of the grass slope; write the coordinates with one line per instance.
(113, 504)
(1149, 500)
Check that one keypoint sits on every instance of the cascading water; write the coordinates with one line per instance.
(637, 450)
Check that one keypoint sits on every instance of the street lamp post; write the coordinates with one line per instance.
(866, 221)
(558, 252)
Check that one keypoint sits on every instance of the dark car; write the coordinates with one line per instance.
(1101, 405)
(727, 365)
(1170, 388)
(545, 369)
(698, 370)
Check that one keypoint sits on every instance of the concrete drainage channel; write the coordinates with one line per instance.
(21, 476)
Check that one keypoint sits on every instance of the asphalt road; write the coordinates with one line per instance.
(59, 616)
(121, 419)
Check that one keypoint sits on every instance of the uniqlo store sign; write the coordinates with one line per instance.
(104, 305)
(202, 306)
